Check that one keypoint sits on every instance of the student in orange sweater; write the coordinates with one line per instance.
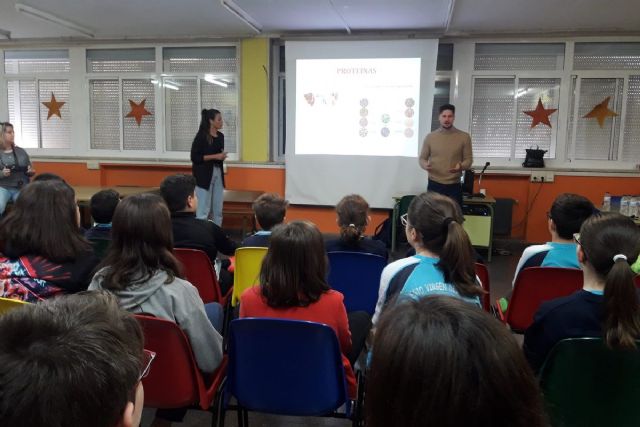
(293, 286)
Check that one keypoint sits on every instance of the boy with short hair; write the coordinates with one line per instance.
(270, 210)
(76, 360)
(102, 205)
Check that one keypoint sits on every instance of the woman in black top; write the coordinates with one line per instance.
(207, 156)
(15, 166)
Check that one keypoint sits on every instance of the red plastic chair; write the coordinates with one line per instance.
(536, 285)
(637, 280)
(198, 270)
(483, 274)
(174, 380)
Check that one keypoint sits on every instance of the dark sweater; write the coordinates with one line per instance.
(193, 233)
(578, 315)
(366, 245)
(203, 170)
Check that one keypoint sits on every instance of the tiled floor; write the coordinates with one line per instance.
(501, 268)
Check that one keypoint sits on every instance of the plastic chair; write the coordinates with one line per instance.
(483, 274)
(198, 270)
(534, 286)
(247, 270)
(357, 276)
(285, 367)
(175, 381)
(400, 208)
(587, 384)
(8, 304)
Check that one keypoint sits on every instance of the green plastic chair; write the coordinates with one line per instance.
(587, 384)
(401, 207)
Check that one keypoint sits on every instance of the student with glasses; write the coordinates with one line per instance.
(15, 166)
(444, 259)
(72, 361)
(608, 305)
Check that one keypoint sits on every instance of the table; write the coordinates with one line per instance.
(236, 202)
(480, 227)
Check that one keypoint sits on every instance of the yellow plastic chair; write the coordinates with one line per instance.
(7, 304)
(247, 270)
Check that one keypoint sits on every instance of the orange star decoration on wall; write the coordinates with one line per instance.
(601, 112)
(54, 106)
(138, 111)
(540, 114)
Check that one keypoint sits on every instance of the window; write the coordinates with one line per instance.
(606, 56)
(36, 78)
(194, 79)
(122, 108)
(519, 56)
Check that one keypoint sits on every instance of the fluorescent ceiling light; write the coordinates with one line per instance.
(171, 86)
(211, 79)
(6, 34)
(47, 17)
(232, 7)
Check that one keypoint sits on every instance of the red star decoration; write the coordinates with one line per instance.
(540, 114)
(138, 111)
(601, 112)
(54, 107)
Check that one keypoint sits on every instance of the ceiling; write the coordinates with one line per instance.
(190, 19)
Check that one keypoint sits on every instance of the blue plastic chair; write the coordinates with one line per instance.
(357, 276)
(285, 367)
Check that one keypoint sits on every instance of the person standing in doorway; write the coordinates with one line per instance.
(207, 157)
(446, 152)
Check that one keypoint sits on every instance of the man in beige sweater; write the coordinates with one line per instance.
(446, 152)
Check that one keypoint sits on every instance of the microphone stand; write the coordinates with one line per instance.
(480, 195)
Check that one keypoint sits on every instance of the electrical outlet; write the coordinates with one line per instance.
(93, 164)
(542, 176)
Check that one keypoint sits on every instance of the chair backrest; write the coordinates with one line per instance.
(247, 271)
(174, 381)
(357, 276)
(286, 367)
(585, 383)
(483, 274)
(403, 204)
(637, 281)
(7, 304)
(198, 270)
(536, 285)
(100, 247)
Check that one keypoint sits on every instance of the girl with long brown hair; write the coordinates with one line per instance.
(444, 261)
(608, 304)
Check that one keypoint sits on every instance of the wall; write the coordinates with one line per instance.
(254, 105)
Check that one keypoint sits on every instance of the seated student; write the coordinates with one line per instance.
(47, 176)
(565, 218)
(444, 260)
(102, 205)
(293, 286)
(270, 210)
(438, 361)
(80, 364)
(178, 191)
(44, 252)
(608, 304)
(353, 218)
(142, 272)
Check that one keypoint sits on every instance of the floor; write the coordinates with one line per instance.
(503, 263)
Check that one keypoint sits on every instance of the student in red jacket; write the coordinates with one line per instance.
(293, 286)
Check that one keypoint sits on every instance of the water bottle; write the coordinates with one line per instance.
(606, 202)
(624, 205)
(634, 206)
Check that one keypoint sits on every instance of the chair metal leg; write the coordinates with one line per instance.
(245, 418)
(240, 417)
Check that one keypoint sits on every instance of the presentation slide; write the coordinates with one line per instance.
(356, 115)
(360, 107)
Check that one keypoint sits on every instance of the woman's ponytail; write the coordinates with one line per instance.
(622, 322)
(610, 242)
(457, 259)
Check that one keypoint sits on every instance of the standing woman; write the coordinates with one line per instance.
(15, 165)
(207, 156)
